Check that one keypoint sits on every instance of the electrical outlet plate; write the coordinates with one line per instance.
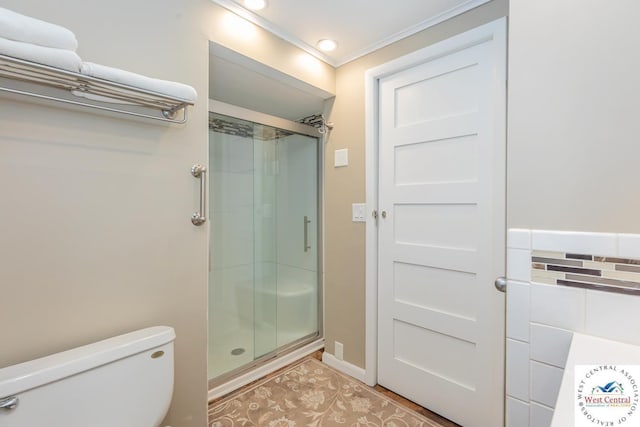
(338, 349)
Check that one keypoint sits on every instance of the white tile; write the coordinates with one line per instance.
(558, 306)
(613, 316)
(519, 264)
(518, 369)
(541, 416)
(517, 413)
(518, 310)
(519, 238)
(574, 241)
(629, 245)
(550, 345)
(545, 383)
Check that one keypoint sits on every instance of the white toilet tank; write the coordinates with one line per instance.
(124, 381)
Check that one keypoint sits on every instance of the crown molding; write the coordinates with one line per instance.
(267, 25)
(450, 13)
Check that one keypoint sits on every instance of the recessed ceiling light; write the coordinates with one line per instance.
(255, 4)
(327, 45)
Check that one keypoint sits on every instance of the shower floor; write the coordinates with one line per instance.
(224, 349)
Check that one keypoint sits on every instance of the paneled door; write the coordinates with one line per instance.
(442, 230)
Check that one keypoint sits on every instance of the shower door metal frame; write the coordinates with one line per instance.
(234, 111)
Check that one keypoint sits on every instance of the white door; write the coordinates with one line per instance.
(441, 232)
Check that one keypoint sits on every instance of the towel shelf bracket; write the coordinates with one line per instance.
(125, 99)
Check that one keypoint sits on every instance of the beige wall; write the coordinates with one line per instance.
(95, 232)
(573, 115)
(96, 236)
(258, 44)
(345, 240)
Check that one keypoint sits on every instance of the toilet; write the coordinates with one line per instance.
(124, 381)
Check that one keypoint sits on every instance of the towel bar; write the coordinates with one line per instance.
(155, 106)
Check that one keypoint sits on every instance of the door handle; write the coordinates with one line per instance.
(9, 403)
(199, 217)
(501, 284)
(307, 221)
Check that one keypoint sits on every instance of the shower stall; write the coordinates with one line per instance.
(265, 239)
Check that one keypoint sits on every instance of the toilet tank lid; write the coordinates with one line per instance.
(38, 372)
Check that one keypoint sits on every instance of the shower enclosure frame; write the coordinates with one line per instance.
(233, 111)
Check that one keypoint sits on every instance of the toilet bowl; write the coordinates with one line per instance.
(124, 381)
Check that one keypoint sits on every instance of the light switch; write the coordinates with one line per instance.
(341, 158)
(358, 211)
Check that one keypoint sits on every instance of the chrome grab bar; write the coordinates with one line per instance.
(199, 217)
(9, 403)
(307, 221)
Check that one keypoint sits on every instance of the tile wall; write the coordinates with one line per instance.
(558, 283)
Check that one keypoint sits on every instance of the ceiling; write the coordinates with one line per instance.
(358, 26)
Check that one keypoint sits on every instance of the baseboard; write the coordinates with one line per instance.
(344, 367)
(265, 369)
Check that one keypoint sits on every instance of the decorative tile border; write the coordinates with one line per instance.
(218, 123)
(315, 120)
(242, 128)
(610, 274)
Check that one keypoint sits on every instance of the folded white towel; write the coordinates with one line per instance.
(172, 89)
(14, 26)
(58, 58)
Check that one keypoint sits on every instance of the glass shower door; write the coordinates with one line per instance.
(231, 264)
(297, 231)
(286, 230)
(265, 242)
(263, 286)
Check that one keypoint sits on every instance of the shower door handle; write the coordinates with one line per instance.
(199, 217)
(9, 403)
(307, 221)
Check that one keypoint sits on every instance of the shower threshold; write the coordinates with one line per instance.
(264, 365)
